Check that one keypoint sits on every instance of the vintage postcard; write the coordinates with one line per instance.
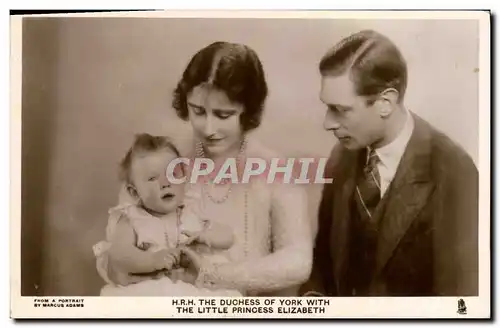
(239, 164)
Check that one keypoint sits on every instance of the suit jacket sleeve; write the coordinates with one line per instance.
(456, 251)
(318, 280)
(322, 274)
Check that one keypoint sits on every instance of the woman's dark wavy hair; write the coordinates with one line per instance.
(230, 67)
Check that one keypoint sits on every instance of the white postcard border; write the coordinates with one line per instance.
(150, 307)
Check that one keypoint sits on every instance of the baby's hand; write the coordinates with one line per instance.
(217, 235)
(166, 258)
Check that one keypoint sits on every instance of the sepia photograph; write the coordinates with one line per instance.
(244, 165)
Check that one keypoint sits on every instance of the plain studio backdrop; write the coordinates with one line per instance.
(90, 84)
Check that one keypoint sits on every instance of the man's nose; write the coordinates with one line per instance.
(330, 122)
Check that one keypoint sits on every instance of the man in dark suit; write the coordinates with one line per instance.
(401, 215)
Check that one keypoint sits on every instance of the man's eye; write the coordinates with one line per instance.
(338, 109)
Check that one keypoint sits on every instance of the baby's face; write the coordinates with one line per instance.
(148, 173)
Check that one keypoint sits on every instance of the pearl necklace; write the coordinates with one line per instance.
(201, 153)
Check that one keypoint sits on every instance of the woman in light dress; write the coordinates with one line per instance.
(222, 94)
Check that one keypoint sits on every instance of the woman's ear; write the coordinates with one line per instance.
(386, 102)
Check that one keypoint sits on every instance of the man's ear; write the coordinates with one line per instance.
(386, 102)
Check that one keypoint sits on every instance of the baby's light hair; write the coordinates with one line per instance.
(144, 143)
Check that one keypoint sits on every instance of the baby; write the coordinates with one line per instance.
(141, 255)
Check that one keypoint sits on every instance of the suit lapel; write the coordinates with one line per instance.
(341, 212)
(407, 194)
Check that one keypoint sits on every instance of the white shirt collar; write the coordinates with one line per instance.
(390, 155)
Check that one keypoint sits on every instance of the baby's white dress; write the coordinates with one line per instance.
(159, 233)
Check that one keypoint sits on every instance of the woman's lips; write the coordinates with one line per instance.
(213, 141)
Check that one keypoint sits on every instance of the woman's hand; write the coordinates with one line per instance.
(192, 237)
(194, 259)
(214, 235)
(166, 258)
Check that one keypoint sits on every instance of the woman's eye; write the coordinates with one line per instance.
(223, 116)
(152, 179)
(198, 111)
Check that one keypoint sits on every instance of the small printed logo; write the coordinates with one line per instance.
(462, 309)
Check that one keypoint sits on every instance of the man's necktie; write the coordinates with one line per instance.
(368, 187)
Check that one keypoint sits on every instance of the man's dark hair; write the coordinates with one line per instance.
(373, 62)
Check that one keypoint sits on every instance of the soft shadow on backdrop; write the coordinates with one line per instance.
(89, 84)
